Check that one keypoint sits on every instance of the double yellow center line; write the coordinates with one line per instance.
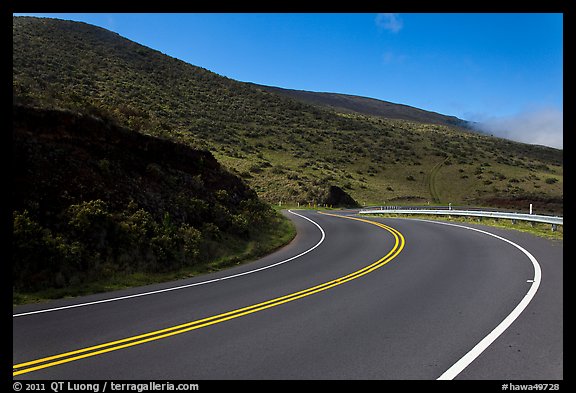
(71, 356)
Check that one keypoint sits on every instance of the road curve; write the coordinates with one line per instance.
(347, 299)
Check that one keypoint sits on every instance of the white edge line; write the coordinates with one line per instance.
(183, 286)
(469, 357)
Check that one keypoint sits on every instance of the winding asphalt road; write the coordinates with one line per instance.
(347, 299)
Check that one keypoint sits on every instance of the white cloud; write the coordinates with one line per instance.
(390, 22)
(543, 126)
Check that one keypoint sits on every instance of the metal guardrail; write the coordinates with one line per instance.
(553, 220)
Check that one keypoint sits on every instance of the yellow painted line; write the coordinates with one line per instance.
(71, 356)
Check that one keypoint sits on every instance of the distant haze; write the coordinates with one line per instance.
(542, 126)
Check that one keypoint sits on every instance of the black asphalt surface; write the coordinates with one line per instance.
(412, 318)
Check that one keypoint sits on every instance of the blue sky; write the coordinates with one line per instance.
(502, 70)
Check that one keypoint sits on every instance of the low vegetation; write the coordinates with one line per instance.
(286, 149)
(131, 166)
(94, 202)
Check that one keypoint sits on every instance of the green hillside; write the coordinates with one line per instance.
(347, 103)
(285, 149)
(97, 206)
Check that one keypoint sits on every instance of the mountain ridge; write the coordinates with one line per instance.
(348, 103)
(288, 150)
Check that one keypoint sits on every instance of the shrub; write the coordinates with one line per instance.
(30, 254)
(40, 259)
(191, 239)
(91, 223)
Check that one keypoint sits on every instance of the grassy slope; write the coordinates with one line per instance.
(236, 253)
(285, 149)
(99, 207)
(346, 103)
